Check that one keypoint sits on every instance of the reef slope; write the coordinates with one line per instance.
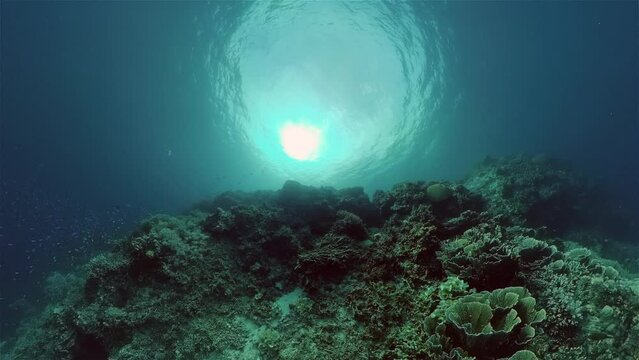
(503, 265)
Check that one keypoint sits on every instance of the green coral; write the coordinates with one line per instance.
(493, 323)
(451, 288)
(483, 256)
(523, 355)
(438, 192)
(207, 336)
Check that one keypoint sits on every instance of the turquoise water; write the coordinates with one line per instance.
(368, 76)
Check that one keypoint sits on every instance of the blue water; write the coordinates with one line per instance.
(114, 111)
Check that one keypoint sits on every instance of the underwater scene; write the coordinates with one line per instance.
(321, 180)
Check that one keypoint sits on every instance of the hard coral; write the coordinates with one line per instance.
(320, 273)
(493, 324)
(482, 256)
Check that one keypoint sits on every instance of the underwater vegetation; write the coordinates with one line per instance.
(486, 268)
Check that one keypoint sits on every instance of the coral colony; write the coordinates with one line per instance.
(503, 265)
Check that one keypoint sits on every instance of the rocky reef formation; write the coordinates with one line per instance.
(473, 270)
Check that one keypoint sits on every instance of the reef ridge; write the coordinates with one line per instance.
(505, 264)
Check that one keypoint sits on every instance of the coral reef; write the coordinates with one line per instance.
(541, 191)
(486, 269)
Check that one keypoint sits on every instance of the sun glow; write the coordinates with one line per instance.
(312, 106)
(301, 141)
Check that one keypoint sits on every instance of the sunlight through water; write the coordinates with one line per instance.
(321, 91)
(301, 141)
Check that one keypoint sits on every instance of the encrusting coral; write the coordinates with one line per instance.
(439, 270)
